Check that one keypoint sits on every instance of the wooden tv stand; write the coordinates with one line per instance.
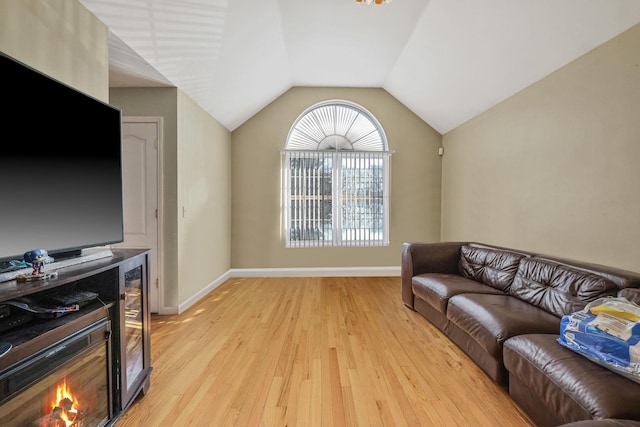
(122, 283)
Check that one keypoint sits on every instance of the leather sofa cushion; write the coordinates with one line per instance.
(632, 294)
(437, 288)
(558, 288)
(609, 422)
(569, 383)
(622, 278)
(491, 319)
(493, 267)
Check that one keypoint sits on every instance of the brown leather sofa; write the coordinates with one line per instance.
(609, 422)
(503, 308)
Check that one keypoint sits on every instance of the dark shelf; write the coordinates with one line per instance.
(14, 289)
(40, 333)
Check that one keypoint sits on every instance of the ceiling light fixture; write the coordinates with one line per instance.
(373, 1)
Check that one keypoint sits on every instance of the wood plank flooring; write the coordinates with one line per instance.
(312, 352)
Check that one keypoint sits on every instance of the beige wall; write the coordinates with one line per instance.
(555, 168)
(197, 180)
(59, 38)
(161, 102)
(256, 238)
(204, 198)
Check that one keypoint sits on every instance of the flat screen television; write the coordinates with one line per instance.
(60, 167)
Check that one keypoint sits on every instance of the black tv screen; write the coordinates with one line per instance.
(60, 166)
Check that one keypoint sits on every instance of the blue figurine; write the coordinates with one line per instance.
(37, 258)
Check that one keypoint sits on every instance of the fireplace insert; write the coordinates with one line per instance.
(68, 383)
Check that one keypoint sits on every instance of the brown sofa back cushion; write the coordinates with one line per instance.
(622, 279)
(632, 294)
(491, 266)
(558, 288)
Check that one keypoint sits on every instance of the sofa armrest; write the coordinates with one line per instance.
(421, 257)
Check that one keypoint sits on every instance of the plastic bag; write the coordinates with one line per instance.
(607, 332)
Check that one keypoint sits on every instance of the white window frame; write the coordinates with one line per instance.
(338, 142)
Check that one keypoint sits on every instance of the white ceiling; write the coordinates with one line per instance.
(446, 60)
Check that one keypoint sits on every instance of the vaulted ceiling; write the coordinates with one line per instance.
(446, 60)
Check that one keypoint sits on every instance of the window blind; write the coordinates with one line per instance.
(336, 198)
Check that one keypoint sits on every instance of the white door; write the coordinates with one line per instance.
(140, 164)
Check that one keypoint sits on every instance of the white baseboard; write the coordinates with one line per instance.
(203, 292)
(316, 272)
(282, 272)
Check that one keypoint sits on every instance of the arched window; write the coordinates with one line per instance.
(336, 178)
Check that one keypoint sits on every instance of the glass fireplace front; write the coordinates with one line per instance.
(65, 385)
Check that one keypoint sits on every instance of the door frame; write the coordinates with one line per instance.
(158, 120)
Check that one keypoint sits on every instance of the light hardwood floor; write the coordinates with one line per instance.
(312, 352)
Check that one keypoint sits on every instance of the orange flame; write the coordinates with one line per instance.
(64, 406)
